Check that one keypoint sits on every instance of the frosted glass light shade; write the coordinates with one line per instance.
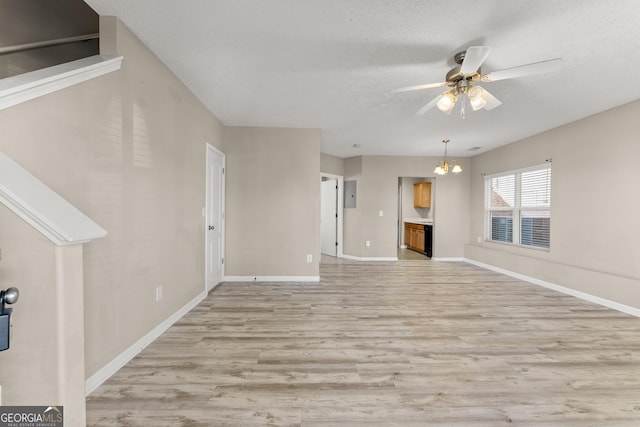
(476, 98)
(446, 102)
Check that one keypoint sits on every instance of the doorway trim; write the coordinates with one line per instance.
(340, 180)
(211, 150)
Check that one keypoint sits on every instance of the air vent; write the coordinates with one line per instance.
(473, 149)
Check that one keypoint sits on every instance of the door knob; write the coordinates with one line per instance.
(211, 227)
(8, 296)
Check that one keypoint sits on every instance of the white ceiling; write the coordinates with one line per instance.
(332, 64)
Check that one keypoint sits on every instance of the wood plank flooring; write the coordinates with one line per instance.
(407, 343)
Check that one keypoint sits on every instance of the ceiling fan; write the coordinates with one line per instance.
(463, 81)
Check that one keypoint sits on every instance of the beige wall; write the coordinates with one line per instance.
(28, 370)
(451, 215)
(147, 162)
(595, 241)
(127, 149)
(331, 164)
(377, 178)
(273, 202)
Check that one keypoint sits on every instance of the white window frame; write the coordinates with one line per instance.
(516, 209)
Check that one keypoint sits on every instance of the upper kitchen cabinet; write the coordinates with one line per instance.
(422, 195)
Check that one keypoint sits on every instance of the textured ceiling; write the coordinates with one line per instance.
(333, 64)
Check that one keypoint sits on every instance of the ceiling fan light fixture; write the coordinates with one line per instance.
(461, 80)
(476, 97)
(447, 101)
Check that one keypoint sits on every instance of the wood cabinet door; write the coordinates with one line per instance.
(411, 233)
(414, 235)
(407, 235)
(422, 195)
(414, 238)
(419, 243)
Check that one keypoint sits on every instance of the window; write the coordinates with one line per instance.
(518, 207)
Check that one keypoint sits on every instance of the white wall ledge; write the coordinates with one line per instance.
(43, 208)
(17, 89)
(21, 192)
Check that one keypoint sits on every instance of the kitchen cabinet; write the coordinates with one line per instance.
(422, 195)
(419, 237)
(414, 237)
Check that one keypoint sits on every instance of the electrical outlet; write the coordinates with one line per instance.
(479, 239)
(158, 293)
(309, 258)
(367, 244)
(380, 213)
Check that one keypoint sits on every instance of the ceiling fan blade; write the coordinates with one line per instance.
(419, 87)
(524, 70)
(491, 101)
(429, 106)
(473, 59)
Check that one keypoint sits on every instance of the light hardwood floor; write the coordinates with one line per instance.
(408, 254)
(401, 343)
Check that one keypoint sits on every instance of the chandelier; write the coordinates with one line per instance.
(445, 165)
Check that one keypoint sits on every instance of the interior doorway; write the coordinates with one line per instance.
(214, 218)
(331, 206)
(409, 212)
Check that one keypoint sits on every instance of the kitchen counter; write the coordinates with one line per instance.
(425, 221)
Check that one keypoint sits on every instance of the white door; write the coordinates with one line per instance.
(329, 217)
(214, 217)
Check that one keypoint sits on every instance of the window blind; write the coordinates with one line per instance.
(518, 207)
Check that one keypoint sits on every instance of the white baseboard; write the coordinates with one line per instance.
(578, 294)
(272, 278)
(95, 380)
(448, 259)
(357, 258)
